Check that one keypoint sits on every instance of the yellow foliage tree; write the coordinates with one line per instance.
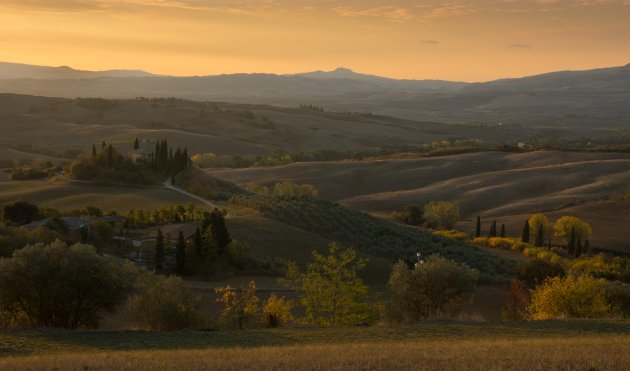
(239, 307)
(570, 297)
(535, 221)
(277, 310)
(562, 228)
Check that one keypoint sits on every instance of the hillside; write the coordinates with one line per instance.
(559, 99)
(58, 124)
(495, 185)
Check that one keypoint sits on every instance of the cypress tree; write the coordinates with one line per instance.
(493, 229)
(221, 234)
(136, 144)
(478, 230)
(539, 236)
(103, 145)
(198, 243)
(571, 245)
(159, 250)
(502, 230)
(525, 237)
(180, 253)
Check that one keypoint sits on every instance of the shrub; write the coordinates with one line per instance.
(536, 271)
(59, 286)
(570, 297)
(163, 304)
(454, 235)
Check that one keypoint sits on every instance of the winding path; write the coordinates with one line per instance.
(169, 185)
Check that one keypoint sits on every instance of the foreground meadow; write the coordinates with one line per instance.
(545, 345)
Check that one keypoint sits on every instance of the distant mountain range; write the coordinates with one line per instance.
(568, 98)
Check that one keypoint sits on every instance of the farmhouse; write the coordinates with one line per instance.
(74, 224)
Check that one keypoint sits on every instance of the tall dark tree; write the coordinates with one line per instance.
(136, 144)
(103, 145)
(571, 245)
(540, 240)
(221, 233)
(180, 253)
(159, 250)
(198, 243)
(525, 237)
(502, 230)
(478, 229)
(493, 229)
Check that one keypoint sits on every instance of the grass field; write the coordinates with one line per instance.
(64, 196)
(545, 345)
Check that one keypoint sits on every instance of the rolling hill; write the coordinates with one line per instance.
(502, 186)
(559, 99)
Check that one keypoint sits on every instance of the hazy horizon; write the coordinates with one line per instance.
(458, 41)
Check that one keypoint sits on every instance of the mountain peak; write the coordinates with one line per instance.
(343, 70)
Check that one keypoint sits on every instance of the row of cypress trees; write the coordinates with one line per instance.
(575, 246)
(210, 243)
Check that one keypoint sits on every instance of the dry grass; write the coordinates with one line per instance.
(586, 353)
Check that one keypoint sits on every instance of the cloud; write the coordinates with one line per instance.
(388, 12)
(520, 46)
(430, 42)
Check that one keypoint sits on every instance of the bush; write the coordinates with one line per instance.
(454, 235)
(240, 308)
(163, 304)
(59, 286)
(441, 214)
(435, 289)
(536, 271)
(570, 297)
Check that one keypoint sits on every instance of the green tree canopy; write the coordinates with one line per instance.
(331, 291)
(63, 286)
(441, 214)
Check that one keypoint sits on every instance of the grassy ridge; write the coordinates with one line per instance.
(601, 345)
(375, 236)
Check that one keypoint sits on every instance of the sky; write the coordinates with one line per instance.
(448, 40)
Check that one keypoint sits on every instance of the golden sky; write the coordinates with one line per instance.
(453, 40)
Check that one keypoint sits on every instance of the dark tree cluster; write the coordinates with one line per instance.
(168, 162)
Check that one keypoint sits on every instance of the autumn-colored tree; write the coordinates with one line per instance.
(277, 311)
(240, 308)
(541, 228)
(331, 291)
(570, 297)
(565, 225)
(516, 301)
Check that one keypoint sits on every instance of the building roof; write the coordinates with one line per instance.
(113, 218)
(72, 223)
(173, 230)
